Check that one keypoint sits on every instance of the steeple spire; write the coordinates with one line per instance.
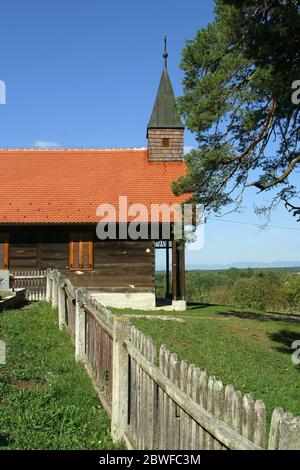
(165, 114)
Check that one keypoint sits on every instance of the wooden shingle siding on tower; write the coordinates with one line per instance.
(157, 152)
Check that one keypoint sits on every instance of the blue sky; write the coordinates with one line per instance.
(85, 74)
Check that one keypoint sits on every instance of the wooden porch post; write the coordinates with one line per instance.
(174, 270)
(178, 270)
(181, 256)
(167, 269)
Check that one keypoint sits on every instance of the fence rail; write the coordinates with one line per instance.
(155, 400)
(33, 281)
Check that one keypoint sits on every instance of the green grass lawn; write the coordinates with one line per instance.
(46, 400)
(249, 351)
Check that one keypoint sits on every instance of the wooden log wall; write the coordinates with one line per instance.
(118, 265)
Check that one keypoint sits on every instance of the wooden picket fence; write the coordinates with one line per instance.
(34, 281)
(174, 405)
(155, 400)
(99, 349)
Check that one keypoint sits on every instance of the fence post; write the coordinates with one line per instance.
(61, 301)
(55, 288)
(285, 431)
(48, 285)
(81, 299)
(119, 414)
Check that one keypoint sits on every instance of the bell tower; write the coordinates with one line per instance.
(165, 131)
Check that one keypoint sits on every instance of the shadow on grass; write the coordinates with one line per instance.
(5, 439)
(285, 338)
(261, 316)
(196, 305)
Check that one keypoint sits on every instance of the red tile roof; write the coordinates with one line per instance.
(67, 186)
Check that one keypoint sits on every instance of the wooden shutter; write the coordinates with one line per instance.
(87, 252)
(81, 251)
(4, 250)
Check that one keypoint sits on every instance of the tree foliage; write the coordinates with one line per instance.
(237, 100)
(273, 290)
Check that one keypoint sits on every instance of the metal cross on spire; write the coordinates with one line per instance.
(165, 54)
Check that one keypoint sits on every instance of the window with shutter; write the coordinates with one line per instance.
(3, 250)
(166, 142)
(81, 251)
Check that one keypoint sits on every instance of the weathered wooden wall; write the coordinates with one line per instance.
(38, 247)
(118, 265)
(121, 264)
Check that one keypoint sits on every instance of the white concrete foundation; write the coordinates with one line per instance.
(178, 305)
(137, 300)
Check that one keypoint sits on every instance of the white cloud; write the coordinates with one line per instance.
(43, 144)
(2, 92)
(188, 148)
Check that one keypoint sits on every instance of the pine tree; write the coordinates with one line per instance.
(239, 76)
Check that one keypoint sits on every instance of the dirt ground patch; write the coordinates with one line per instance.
(28, 384)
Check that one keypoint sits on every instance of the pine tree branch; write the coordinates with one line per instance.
(279, 179)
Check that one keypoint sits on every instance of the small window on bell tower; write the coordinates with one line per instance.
(166, 142)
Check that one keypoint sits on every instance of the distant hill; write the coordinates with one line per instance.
(290, 265)
(247, 264)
